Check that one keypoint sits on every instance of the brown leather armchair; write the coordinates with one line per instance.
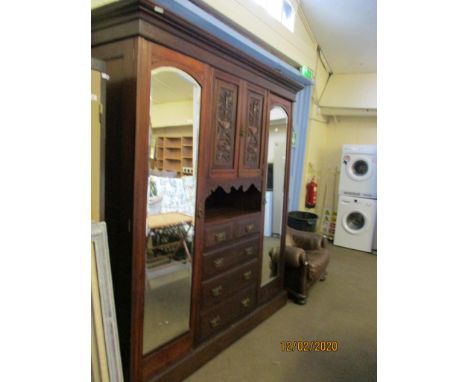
(306, 260)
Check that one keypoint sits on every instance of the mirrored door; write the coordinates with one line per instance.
(171, 198)
(274, 195)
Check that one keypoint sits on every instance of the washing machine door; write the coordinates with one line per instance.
(358, 167)
(355, 222)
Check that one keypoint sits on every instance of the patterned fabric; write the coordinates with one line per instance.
(178, 194)
(154, 205)
(189, 188)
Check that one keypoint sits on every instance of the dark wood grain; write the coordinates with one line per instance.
(120, 125)
(225, 125)
(254, 120)
(141, 150)
(225, 313)
(225, 258)
(133, 40)
(220, 288)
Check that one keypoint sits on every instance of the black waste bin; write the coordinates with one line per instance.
(302, 221)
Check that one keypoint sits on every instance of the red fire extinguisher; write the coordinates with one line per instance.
(311, 194)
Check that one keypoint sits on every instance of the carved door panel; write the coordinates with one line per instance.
(224, 126)
(251, 132)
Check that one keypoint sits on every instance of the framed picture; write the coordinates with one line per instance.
(106, 365)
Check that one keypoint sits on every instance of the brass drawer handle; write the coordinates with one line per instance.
(247, 275)
(215, 322)
(218, 263)
(249, 251)
(217, 291)
(220, 236)
(246, 302)
(249, 228)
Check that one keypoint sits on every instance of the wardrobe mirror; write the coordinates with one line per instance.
(170, 222)
(274, 195)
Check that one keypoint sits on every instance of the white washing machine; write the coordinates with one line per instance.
(358, 176)
(355, 223)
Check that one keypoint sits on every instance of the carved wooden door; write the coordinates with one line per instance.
(251, 131)
(224, 125)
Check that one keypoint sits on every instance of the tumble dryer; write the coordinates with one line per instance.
(355, 223)
(358, 175)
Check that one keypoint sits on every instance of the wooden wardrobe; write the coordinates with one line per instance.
(227, 298)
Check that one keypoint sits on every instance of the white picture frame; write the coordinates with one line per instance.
(106, 361)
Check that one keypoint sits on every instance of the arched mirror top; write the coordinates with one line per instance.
(177, 71)
(278, 114)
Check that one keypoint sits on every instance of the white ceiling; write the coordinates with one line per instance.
(170, 87)
(346, 31)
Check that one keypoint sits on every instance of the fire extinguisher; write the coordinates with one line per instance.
(311, 194)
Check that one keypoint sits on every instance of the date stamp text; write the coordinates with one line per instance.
(309, 346)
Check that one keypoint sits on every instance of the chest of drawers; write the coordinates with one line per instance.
(229, 272)
(219, 260)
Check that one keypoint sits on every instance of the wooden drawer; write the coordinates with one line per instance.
(222, 287)
(218, 234)
(247, 226)
(217, 318)
(223, 259)
(246, 302)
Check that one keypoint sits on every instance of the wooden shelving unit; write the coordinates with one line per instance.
(174, 154)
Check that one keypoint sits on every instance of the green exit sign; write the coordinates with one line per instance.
(306, 72)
